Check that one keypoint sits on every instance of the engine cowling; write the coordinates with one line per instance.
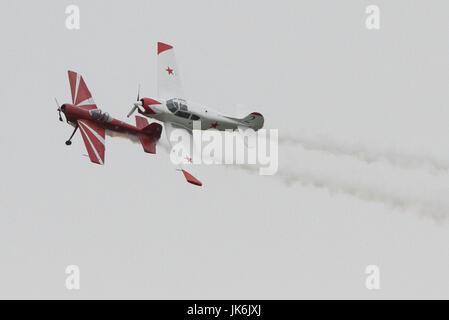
(149, 105)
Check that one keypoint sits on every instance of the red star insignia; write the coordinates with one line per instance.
(188, 159)
(170, 71)
(214, 125)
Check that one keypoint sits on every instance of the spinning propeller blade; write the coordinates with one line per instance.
(132, 111)
(59, 109)
(136, 104)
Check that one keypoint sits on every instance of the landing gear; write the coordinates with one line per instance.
(68, 142)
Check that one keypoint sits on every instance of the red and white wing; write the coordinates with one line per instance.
(94, 139)
(181, 151)
(81, 96)
(168, 75)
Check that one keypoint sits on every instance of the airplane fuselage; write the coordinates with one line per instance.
(184, 113)
(74, 113)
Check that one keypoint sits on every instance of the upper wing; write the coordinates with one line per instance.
(81, 96)
(181, 151)
(93, 137)
(168, 75)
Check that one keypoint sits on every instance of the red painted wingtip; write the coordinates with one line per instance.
(161, 47)
(191, 179)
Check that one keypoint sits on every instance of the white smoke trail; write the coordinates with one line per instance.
(135, 139)
(393, 197)
(129, 137)
(366, 154)
(358, 184)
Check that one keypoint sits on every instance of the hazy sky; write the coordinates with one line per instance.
(362, 116)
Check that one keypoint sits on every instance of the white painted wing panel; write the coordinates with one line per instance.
(168, 75)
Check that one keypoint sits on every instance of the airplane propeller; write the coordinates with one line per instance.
(136, 104)
(59, 110)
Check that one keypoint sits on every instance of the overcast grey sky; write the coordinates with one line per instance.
(137, 230)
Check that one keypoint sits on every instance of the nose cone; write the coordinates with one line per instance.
(70, 110)
(150, 105)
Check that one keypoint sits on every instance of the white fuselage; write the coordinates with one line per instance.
(184, 113)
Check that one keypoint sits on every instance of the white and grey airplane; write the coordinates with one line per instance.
(176, 112)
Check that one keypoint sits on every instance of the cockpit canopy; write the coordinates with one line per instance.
(174, 104)
(97, 114)
(179, 108)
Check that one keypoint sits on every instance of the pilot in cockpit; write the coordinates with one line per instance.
(100, 116)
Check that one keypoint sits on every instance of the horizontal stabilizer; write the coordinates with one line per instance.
(254, 120)
(148, 143)
(149, 134)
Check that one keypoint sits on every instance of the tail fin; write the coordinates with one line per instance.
(254, 120)
(141, 122)
(81, 96)
(149, 134)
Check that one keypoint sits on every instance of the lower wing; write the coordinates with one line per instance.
(181, 150)
(94, 140)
